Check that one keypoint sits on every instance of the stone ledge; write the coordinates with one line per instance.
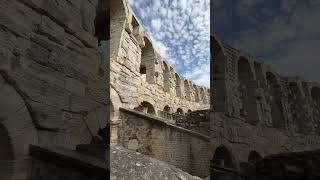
(161, 122)
(96, 150)
(88, 165)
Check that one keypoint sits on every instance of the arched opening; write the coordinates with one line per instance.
(102, 21)
(189, 111)
(102, 33)
(178, 85)
(167, 109)
(247, 89)
(254, 157)
(6, 154)
(102, 136)
(143, 72)
(146, 107)
(166, 77)
(147, 65)
(222, 158)
(196, 93)
(179, 111)
(245, 72)
(275, 104)
(187, 90)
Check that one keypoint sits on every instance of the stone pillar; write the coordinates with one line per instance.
(114, 126)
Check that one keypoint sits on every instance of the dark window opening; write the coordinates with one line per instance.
(102, 21)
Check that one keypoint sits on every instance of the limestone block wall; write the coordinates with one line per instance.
(149, 135)
(259, 96)
(242, 139)
(52, 78)
(140, 78)
(255, 110)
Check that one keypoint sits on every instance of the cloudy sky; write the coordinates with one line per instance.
(284, 33)
(180, 30)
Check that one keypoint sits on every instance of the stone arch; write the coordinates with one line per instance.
(146, 107)
(189, 110)
(196, 93)
(17, 129)
(179, 111)
(245, 71)
(218, 68)
(166, 77)
(254, 157)
(247, 90)
(178, 84)
(275, 101)
(167, 109)
(187, 90)
(147, 64)
(6, 154)
(225, 159)
(115, 104)
(111, 110)
(272, 79)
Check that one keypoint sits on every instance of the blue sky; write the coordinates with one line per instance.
(180, 30)
(284, 33)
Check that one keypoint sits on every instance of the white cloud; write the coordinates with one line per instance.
(200, 74)
(156, 24)
(290, 42)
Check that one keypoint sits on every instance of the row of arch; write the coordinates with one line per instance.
(224, 158)
(168, 109)
(254, 82)
(268, 81)
(148, 108)
(153, 69)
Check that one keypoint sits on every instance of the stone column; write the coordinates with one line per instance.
(114, 126)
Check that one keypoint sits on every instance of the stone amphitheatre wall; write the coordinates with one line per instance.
(151, 136)
(53, 86)
(256, 112)
(140, 78)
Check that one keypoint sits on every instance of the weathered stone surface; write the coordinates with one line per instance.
(52, 90)
(60, 163)
(154, 137)
(254, 110)
(126, 164)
